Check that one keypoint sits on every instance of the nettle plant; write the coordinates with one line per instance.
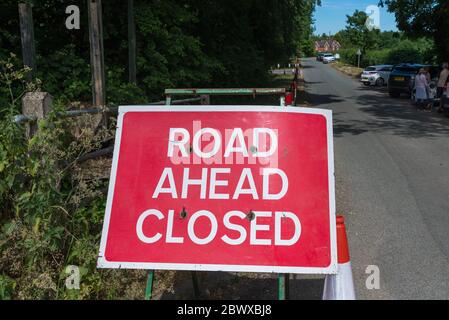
(51, 205)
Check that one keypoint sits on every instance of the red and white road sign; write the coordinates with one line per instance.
(221, 189)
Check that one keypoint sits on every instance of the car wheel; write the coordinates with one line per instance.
(446, 112)
(394, 94)
(380, 82)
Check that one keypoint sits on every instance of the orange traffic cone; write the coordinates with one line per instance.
(340, 286)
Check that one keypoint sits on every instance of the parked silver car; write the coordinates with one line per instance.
(328, 58)
(376, 75)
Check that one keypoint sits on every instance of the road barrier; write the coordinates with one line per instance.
(165, 237)
(340, 286)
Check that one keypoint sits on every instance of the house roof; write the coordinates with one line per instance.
(329, 42)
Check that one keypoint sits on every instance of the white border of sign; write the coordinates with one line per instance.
(331, 269)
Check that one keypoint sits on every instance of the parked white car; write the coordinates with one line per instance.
(328, 58)
(376, 75)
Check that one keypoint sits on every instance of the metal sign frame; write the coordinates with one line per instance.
(169, 93)
(283, 279)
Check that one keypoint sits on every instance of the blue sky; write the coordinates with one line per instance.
(331, 16)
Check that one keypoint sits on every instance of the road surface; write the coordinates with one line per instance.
(392, 181)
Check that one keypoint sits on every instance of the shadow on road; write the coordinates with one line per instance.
(229, 286)
(307, 66)
(364, 88)
(402, 118)
(393, 116)
(321, 99)
(342, 127)
(312, 82)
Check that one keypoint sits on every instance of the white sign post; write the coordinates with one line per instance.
(359, 53)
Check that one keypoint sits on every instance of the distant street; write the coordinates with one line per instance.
(392, 181)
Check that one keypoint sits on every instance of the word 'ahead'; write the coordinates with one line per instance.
(221, 188)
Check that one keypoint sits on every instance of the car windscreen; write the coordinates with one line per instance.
(406, 69)
(370, 69)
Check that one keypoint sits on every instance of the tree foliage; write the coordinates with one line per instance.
(423, 18)
(358, 33)
(387, 47)
(51, 205)
(180, 43)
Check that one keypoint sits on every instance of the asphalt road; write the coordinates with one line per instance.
(392, 181)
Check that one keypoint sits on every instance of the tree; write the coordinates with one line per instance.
(179, 43)
(423, 18)
(390, 39)
(342, 37)
(359, 35)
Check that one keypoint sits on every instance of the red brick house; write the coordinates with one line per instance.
(330, 45)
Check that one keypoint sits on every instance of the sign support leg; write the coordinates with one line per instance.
(149, 288)
(196, 287)
(283, 286)
(168, 100)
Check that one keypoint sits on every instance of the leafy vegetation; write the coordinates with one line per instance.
(423, 18)
(52, 209)
(378, 47)
(51, 204)
(187, 43)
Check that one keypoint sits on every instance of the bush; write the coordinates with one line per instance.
(52, 207)
(349, 56)
(375, 57)
(66, 74)
(404, 55)
(417, 51)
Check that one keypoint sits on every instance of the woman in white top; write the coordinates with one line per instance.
(421, 87)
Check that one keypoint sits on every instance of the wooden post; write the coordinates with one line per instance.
(27, 37)
(131, 43)
(96, 52)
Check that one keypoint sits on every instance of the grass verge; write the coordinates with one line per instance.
(347, 69)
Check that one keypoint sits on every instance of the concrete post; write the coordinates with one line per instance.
(37, 105)
(205, 100)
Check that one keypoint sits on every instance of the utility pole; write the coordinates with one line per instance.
(131, 43)
(96, 52)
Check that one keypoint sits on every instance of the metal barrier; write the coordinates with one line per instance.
(75, 113)
(203, 94)
(206, 93)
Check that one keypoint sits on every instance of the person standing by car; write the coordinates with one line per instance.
(422, 87)
(442, 82)
(429, 80)
(428, 76)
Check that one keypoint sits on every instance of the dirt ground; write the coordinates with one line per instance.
(171, 285)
